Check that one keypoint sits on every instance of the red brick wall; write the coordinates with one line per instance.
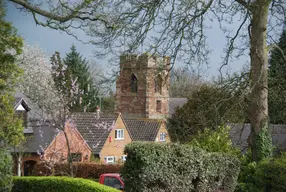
(143, 103)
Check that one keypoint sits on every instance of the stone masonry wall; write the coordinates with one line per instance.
(143, 103)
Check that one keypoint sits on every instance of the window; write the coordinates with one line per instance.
(109, 159)
(119, 134)
(158, 84)
(123, 158)
(158, 106)
(162, 136)
(112, 182)
(134, 84)
(76, 157)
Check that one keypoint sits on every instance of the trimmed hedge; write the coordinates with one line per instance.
(172, 167)
(83, 170)
(58, 184)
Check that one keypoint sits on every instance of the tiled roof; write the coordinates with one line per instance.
(174, 103)
(239, 134)
(143, 130)
(39, 137)
(94, 130)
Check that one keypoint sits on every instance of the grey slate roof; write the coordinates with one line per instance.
(239, 134)
(143, 130)
(174, 103)
(95, 131)
(39, 136)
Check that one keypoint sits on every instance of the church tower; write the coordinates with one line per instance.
(142, 88)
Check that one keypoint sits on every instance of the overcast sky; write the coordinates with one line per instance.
(51, 40)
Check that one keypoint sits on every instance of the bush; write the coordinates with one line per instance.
(268, 175)
(6, 166)
(171, 167)
(215, 141)
(83, 170)
(58, 184)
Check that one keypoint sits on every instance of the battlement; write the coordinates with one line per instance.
(144, 61)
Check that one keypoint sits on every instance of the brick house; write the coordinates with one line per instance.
(142, 106)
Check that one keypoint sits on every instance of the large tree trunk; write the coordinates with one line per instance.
(258, 100)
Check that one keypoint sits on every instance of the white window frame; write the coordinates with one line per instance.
(123, 158)
(108, 161)
(162, 136)
(119, 134)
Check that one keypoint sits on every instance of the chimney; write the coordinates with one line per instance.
(97, 112)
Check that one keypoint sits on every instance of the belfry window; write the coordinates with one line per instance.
(158, 84)
(134, 84)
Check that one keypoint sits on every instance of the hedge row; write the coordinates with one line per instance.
(171, 167)
(83, 170)
(58, 184)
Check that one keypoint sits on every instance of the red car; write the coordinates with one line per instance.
(112, 180)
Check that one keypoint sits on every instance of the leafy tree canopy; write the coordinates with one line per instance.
(11, 129)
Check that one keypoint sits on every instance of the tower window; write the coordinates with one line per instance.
(158, 106)
(158, 84)
(134, 84)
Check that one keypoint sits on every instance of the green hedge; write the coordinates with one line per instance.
(57, 184)
(268, 175)
(88, 170)
(6, 166)
(171, 167)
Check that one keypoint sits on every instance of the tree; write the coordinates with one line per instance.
(79, 69)
(177, 29)
(277, 82)
(11, 128)
(183, 82)
(209, 107)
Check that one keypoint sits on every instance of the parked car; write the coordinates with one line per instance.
(112, 180)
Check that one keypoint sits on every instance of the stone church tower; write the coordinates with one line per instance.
(142, 89)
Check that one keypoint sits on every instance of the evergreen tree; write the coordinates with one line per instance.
(11, 129)
(277, 82)
(75, 71)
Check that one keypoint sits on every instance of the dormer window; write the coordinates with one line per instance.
(158, 84)
(133, 84)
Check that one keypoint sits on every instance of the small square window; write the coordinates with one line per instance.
(163, 136)
(158, 106)
(76, 157)
(119, 134)
(109, 159)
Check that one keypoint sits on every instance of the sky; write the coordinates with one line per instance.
(51, 40)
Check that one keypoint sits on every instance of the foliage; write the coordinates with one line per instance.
(83, 170)
(210, 106)
(77, 70)
(36, 82)
(6, 166)
(277, 82)
(58, 184)
(173, 167)
(264, 145)
(11, 129)
(215, 140)
(267, 175)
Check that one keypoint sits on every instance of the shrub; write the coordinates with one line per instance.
(58, 184)
(215, 141)
(172, 167)
(6, 166)
(84, 170)
(268, 175)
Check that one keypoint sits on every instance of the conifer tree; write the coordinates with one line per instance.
(277, 82)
